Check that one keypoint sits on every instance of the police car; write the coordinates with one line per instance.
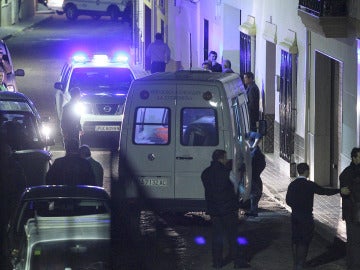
(104, 82)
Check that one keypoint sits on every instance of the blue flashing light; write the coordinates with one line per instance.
(242, 241)
(80, 58)
(121, 57)
(200, 240)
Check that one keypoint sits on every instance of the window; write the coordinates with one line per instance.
(152, 126)
(199, 127)
(245, 53)
(240, 119)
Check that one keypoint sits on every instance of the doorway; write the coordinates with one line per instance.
(328, 77)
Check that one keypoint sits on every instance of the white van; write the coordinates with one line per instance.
(172, 124)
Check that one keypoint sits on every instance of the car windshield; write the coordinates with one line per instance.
(61, 207)
(71, 254)
(99, 79)
(20, 129)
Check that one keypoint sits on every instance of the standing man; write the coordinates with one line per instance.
(97, 168)
(300, 197)
(258, 164)
(226, 68)
(71, 169)
(70, 118)
(159, 53)
(253, 97)
(222, 206)
(215, 66)
(350, 193)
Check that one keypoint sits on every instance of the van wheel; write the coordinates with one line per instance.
(114, 13)
(71, 13)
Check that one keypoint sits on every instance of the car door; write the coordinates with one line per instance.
(149, 127)
(199, 131)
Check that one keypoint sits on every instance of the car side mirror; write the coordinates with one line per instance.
(58, 85)
(19, 72)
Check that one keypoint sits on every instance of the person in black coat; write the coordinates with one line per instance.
(222, 206)
(300, 197)
(71, 169)
(350, 193)
(253, 97)
(70, 118)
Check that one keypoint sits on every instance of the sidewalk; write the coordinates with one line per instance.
(327, 209)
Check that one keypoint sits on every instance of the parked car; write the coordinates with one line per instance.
(22, 128)
(10, 76)
(96, 9)
(56, 5)
(61, 227)
(104, 82)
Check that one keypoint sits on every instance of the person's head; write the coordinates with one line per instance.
(75, 92)
(355, 155)
(206, 65)
(303, 169)
(72, 147)
(85, 151)
(248, 77)
(220, 155)
(158, 36)
(212, 56)
(226, 63)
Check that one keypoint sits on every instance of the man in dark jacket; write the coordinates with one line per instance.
(350, 193)
(70, 118)
(71, 169)
(253, 97)
(300, 197)
(258, 164)
(222, 206)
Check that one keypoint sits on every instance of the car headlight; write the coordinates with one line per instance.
(80, 108)
(46, 131)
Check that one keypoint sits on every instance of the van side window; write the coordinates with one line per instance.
(241, 119)
(199, 127)
(152, 126)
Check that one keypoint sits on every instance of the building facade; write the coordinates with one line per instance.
(304, 54)
(12, 11)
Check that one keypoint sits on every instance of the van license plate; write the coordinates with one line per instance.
(154, 182)
(107, 128)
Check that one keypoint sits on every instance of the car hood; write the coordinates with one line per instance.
(104, 97)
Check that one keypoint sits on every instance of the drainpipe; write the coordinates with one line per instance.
(307, 87)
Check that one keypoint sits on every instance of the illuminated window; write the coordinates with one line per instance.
(152, 126)
(199, 127)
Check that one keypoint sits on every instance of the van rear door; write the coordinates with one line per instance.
(149, 131)
(199, 132)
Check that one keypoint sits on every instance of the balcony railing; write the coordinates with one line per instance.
(322, 8)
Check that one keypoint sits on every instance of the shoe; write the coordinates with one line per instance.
(241, 265)
(249, 214)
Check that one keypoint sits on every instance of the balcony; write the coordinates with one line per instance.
(328, 18)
